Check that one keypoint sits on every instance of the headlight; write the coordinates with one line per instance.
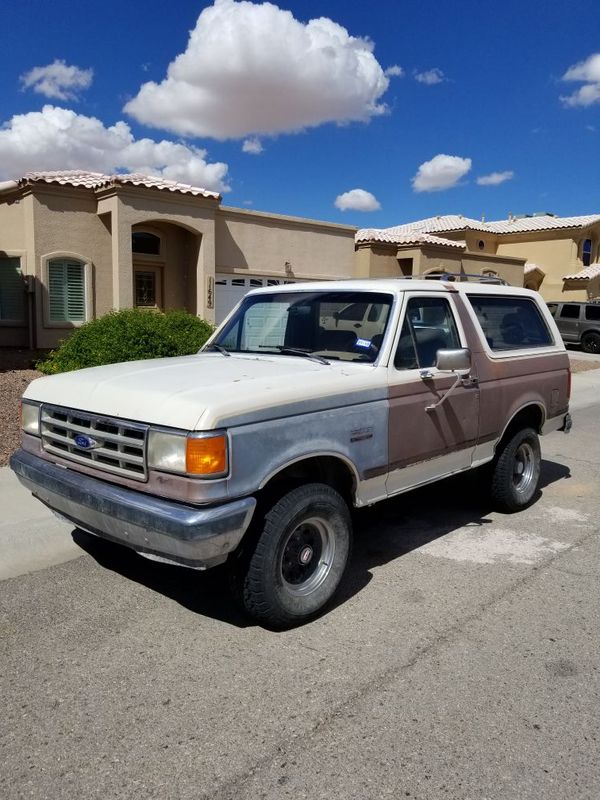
(30, 417)
(201, 454)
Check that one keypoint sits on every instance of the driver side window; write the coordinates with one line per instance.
(428, 326)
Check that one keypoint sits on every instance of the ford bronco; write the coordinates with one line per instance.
(253, 451)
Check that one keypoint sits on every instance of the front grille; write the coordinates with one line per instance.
(115, 445)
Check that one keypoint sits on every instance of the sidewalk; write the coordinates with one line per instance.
(32, 538)
(585, 389)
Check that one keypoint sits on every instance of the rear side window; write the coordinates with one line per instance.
(510, 323)
(553, 308)
(428, 327)
(592, 313)
(569, 311)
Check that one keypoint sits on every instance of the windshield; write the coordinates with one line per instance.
(348, 326)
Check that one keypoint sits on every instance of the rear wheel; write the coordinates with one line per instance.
(299, 557)
(591, 342)
(516, 470)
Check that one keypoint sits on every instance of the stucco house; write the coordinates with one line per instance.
(559, 256)
(74, 245)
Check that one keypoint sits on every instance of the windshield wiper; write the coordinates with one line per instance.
(219, 348)
(293, 351)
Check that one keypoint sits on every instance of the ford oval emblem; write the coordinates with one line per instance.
(85, 442)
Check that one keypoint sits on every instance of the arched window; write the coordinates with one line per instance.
(146, 243)
(586, 252)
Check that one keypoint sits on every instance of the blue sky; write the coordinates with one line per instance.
(498, 103)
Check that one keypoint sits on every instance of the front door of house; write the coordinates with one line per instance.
(147, 287)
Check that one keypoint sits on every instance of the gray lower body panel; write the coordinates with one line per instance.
(188, 535)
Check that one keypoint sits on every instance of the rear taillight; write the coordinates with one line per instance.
(569, 385)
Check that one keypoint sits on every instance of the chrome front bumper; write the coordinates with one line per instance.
(193, 536)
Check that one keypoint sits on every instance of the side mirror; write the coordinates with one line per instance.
(457, 361)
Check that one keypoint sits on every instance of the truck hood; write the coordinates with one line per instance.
(203, 391)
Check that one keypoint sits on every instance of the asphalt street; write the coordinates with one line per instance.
(461, 661)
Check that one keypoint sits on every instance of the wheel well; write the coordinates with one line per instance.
(531, 416)
(329, 470)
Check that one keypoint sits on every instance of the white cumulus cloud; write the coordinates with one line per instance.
(430, 76)
(357, 200)
(395, 71)
(495, 178)
(588, 73)
(59, 81)
(252, 145)
(254, 69)
(442, 172)
(58, 138)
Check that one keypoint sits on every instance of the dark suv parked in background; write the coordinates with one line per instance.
(578, 323)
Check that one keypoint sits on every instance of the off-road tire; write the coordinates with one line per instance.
(590, 342)
(516, 471)
(271, 582)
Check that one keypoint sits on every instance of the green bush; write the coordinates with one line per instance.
(128, 335)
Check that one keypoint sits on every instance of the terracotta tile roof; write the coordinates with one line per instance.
(391, 236)
(545, 222)
(456, 222)
(150, 182)
(531, 267)
(98, 180)
(441, 224)
(586, 274)
(90, 180)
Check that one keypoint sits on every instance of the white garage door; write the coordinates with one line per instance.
(229, 290)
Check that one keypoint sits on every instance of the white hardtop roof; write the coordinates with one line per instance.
(395, 286)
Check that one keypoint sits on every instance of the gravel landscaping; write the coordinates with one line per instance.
(16, 374)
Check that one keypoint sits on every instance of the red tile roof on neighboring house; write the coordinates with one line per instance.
(543, 222)
(457, 222)
(441, 224)
(98, 180)
(393, 236)
(586, 274)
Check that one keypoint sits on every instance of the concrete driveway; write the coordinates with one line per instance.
(461, 661)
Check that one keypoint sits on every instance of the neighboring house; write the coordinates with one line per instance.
(560, 254)
(393, 253)
(74, 245)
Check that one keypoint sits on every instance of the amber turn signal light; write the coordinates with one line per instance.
(206, 455)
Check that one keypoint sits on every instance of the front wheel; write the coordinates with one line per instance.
(299, 557)
(591, 342)
(516, 471)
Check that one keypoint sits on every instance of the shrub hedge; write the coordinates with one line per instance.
(128, 335)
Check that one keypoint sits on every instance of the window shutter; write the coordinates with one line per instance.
(75, 292)
(66, 291)
(56, 291)
(12, 291)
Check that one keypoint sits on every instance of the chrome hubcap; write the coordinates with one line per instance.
(524, 468)
(307, 556)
